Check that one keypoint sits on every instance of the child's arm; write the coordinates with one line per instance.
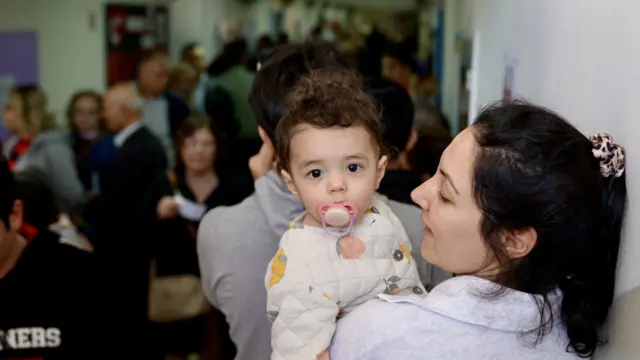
(303, 317)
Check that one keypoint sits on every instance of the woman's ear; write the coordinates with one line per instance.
(381, 168)
(519, 243)
(287, 179)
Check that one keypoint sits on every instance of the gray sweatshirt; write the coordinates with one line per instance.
(51, 155)
(235, 245)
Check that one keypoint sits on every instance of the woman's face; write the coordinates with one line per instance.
(452, 238)
(13, 114)
(199, 150)
(86, 113)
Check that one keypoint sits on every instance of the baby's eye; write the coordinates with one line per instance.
(315, 173)
(354, 168)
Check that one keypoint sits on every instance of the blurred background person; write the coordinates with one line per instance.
(399, 138)
(49, 289)
(233, 78)
(263, 45)
(203, 184)
(87, 127)
(162, 112)
(424, 157)
(399, 65)
(194, 55)
(38, 143)
(125, 217)
(183, 79)
(40, 211)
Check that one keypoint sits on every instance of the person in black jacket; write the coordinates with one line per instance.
(125, 212)
(48, 290)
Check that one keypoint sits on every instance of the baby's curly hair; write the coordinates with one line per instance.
(326, 99)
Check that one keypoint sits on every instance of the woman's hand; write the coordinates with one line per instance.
(167, 208)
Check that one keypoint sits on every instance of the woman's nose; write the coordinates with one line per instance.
(420, 196)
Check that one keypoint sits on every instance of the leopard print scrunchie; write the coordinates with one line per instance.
(611, 155)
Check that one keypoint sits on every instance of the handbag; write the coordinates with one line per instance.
(175, 297)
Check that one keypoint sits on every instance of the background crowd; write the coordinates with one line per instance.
(130, 177)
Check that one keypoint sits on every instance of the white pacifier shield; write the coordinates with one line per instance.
(337, 217)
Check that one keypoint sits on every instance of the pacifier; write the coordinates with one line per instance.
(337, 215)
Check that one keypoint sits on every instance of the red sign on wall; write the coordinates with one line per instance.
(133, 31)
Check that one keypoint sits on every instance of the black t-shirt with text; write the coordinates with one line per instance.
(48, 303)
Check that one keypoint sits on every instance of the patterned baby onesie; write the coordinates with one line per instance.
(315, 277)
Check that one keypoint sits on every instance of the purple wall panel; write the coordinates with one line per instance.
(19, 57)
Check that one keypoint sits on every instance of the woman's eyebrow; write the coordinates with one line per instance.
(448, 177)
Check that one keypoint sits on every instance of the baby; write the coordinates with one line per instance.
(348, 247)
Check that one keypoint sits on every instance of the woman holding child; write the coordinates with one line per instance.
(528, 213)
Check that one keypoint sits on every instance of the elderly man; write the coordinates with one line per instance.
(162, 112)
(125, 211)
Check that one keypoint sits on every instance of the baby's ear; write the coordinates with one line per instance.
(380, 170)
(287, 179)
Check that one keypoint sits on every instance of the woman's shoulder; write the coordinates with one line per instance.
(451, 322)
(394, 330)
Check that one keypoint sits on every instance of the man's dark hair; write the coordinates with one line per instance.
(281, 70)
(38, 201)
(7, 191)
(397, 111)
(403, 55)
(235, 51)
(326, 99)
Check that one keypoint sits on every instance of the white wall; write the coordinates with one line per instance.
(187, 22)
(580, 58)
(72, 56)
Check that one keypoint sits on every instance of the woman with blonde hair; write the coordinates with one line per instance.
(38, 144)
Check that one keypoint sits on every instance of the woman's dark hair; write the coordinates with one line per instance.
(39, 204)
(95, 96)
(535, 170)
(191, 125)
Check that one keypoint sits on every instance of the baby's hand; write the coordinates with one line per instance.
(323, 355)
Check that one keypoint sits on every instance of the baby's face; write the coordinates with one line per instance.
(334, 165)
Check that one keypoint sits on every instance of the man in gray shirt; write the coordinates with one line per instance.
(235, 244)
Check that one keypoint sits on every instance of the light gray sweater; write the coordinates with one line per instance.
(453, 322)
(235, 245)
(50, 155)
